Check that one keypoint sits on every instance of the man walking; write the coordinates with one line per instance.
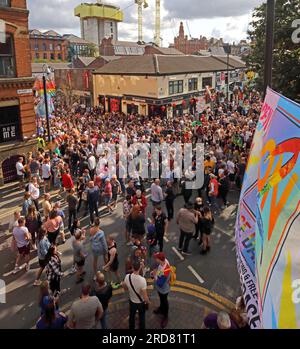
(136, 285)
(72, 201)
(93, 194)
(186, 219)
(156, 193)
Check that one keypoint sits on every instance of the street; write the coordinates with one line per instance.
(205, 283)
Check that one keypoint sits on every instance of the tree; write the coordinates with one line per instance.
(286, 66)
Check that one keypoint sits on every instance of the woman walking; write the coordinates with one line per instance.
(43, 246)
(112, 265)
(207, 226)
(33, 224)
(136, 222)
(52, 225)
(79, 255)
(99, 244)
(54, 271)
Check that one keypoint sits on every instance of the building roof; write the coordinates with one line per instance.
(51, 33)
(38, 67)
(234, 61)
(167, 50)
(162, 65)
(73, 39)
(217, 51)
(86, 60)
(110, 58)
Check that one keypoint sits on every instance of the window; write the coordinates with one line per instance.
(59, 57)
(37, 55)
(206, 82)
(175, 87)
(44, 46)
(58, 47)
(4, 3)
(51, 47)
(193, 84)
(45, 56)
(52, 57)
(36, 45)
(7, 57)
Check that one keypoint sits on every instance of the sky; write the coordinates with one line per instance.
(227, 19)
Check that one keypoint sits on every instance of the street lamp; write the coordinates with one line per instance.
(227, 49)
(269, 44)
(46, 72)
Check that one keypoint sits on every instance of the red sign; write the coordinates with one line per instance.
(115, 105)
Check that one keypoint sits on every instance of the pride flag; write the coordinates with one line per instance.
(268, 222)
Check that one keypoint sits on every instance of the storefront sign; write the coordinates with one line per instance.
(25, 92)
(8, 133)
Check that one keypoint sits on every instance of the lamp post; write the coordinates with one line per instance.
(269, 44)
(46, 72)
(227, 49)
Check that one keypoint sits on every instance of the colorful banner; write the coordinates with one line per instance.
(40, 99)
(268, 224)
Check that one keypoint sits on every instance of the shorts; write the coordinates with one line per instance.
(80, 263)
(43, 263)
(115, 197)
(24, 250)
(46, 179)
(114, 267)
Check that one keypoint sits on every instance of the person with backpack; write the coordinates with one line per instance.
(43, 246)
(162, 278)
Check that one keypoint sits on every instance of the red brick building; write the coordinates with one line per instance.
(48, 46)
(17, 117)
(189, 47)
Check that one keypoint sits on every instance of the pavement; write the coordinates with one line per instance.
(205, 283)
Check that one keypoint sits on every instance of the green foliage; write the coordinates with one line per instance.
(286, 67)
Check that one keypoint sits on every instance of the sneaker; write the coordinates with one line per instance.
(115, 286)
(37, 283)
(27, 267)
(16, 270)
(187, 253)
(179, 249)
(59, 253)
(73, 270)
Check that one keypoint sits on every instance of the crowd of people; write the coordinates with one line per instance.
(77, 165)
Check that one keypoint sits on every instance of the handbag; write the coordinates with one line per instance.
(146, 305)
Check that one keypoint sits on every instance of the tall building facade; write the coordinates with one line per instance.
(48, 46)
(98, 21)
(189, 46)
(17, 116)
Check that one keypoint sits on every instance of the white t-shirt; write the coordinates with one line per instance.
(19, 235)
(19, 168)
(230, 167)
(139, 283)
(46, 171)
(34, 191)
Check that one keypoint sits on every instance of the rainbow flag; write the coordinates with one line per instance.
(268, 222)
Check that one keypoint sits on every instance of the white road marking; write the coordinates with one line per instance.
(197, 276)
(179, 255)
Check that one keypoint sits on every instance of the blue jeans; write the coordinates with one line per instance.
(103, 320)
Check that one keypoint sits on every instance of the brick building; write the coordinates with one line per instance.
(17, 117)
(189, 46)
(48, 46)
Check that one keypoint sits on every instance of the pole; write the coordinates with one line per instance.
(228, 77)
(46, 108)
(269, 44)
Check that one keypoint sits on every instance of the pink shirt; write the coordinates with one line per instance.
(52, 225)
